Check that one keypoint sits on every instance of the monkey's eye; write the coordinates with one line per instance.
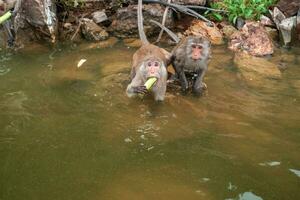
(156, 64)
(149, 64)
(200, 47)
(194, 46)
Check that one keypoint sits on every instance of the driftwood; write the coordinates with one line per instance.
(181, 8)
(186, 9)
(163, 22)
(172, 35)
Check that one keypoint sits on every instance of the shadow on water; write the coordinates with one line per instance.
(69, 132)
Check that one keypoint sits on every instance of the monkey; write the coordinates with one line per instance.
(148, 61)
(191, 56)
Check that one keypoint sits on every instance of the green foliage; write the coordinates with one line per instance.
(246, 9)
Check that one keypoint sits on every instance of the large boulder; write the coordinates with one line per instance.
(125, 24)
(253, 39)
(39, 16)
(202, 29)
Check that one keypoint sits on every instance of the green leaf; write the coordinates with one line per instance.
(248, 13)
(217, 16)
(234, 19)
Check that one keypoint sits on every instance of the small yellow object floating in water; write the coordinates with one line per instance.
(150, 83)
(81, 62)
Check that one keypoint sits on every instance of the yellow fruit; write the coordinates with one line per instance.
(150, 82)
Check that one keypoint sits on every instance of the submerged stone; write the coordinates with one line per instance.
(132, 42)
(110, 42)
(249, 196)
(255, 70)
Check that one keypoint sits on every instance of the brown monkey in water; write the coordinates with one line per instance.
(148, 61)
(191, 56)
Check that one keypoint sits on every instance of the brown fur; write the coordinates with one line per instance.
(147, 54)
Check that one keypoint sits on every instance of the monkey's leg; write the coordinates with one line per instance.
(184, 82)
(182, 78)
(198, 84)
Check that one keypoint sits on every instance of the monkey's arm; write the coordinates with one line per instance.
(179, 69)
(136, 87)
(198, 84)
(184, 83)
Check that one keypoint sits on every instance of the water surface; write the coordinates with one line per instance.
(71, 133)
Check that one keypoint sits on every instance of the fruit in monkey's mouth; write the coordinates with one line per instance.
(150, 83)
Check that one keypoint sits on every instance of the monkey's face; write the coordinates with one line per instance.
(152, 68)
(196, 51)
(197, 48)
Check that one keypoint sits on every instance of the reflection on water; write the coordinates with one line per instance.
(71, 133)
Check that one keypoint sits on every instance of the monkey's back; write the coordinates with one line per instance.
(147, 51)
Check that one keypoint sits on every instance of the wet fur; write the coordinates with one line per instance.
(182, 62)
(141, 56)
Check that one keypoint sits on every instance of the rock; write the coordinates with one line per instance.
(286, 28)
(132, 42)
(125, 24)
(190, 2)
(277, 16)
(110, 42)
(285, 25)
(99, 16)
(255, 70)
(67, 32)
(272, 32)
(227, 29)
(91, 31)
(41, 16)
(288, 7)
(253, 39)
(201, 28)
(266, 21)
(240, 22)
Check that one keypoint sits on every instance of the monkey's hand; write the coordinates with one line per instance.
(140, 89)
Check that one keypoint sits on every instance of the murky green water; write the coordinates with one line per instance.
(71, 133)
